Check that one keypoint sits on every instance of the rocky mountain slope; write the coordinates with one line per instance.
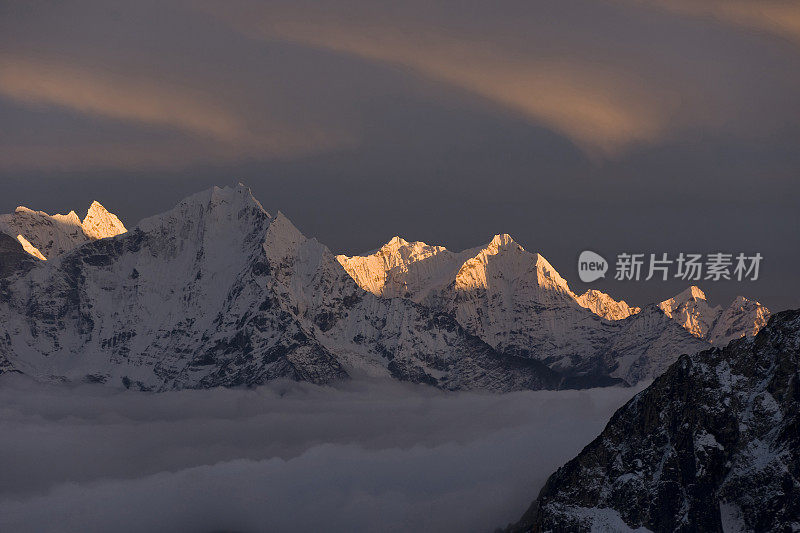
(712, 445)
(518, 303)
(219, 292)
(45, 236)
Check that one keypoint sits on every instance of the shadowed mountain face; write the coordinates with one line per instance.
(219, 292)
(711, 445)
(13, 257)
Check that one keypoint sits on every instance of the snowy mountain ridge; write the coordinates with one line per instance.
(517, 302)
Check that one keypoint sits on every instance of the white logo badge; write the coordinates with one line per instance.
(591, 266)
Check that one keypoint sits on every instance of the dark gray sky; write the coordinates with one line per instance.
(613, 125)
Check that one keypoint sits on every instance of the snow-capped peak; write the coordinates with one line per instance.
(99, 223)
(396, 242)
(45, 236)
(742, 318)
(515, 300)
(218, 291)
(505, 258)
(692, 293)
(692, 310)
(416, 269)
(402, 268)
(502, 239)
(220, 205)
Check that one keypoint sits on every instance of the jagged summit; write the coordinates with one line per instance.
(99, 223)
(503, 258)
(691, 309)
(70, 218)
(398, 249)
(416, 269)
(502, 239)
(46, 236)
(223, 204)
(396, 242)
(402, 268)
(692, 293)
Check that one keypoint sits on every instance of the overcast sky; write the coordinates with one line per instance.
(611, 125)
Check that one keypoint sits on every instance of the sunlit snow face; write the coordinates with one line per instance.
(284, 457)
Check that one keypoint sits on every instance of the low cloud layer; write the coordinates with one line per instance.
(285, 457)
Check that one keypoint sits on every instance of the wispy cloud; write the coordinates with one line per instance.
(779, 17)
(204, 127)
(602, 108)
(51, 83)
(609, 76)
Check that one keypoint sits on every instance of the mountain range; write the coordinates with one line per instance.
(518, 303)
(217, 291)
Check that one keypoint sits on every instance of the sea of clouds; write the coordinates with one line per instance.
(364, 456)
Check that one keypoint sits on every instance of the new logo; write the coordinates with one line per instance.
(591, 266)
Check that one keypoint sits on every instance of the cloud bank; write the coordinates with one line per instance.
(284, 457)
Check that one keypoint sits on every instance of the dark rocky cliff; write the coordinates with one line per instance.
(711, 445)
